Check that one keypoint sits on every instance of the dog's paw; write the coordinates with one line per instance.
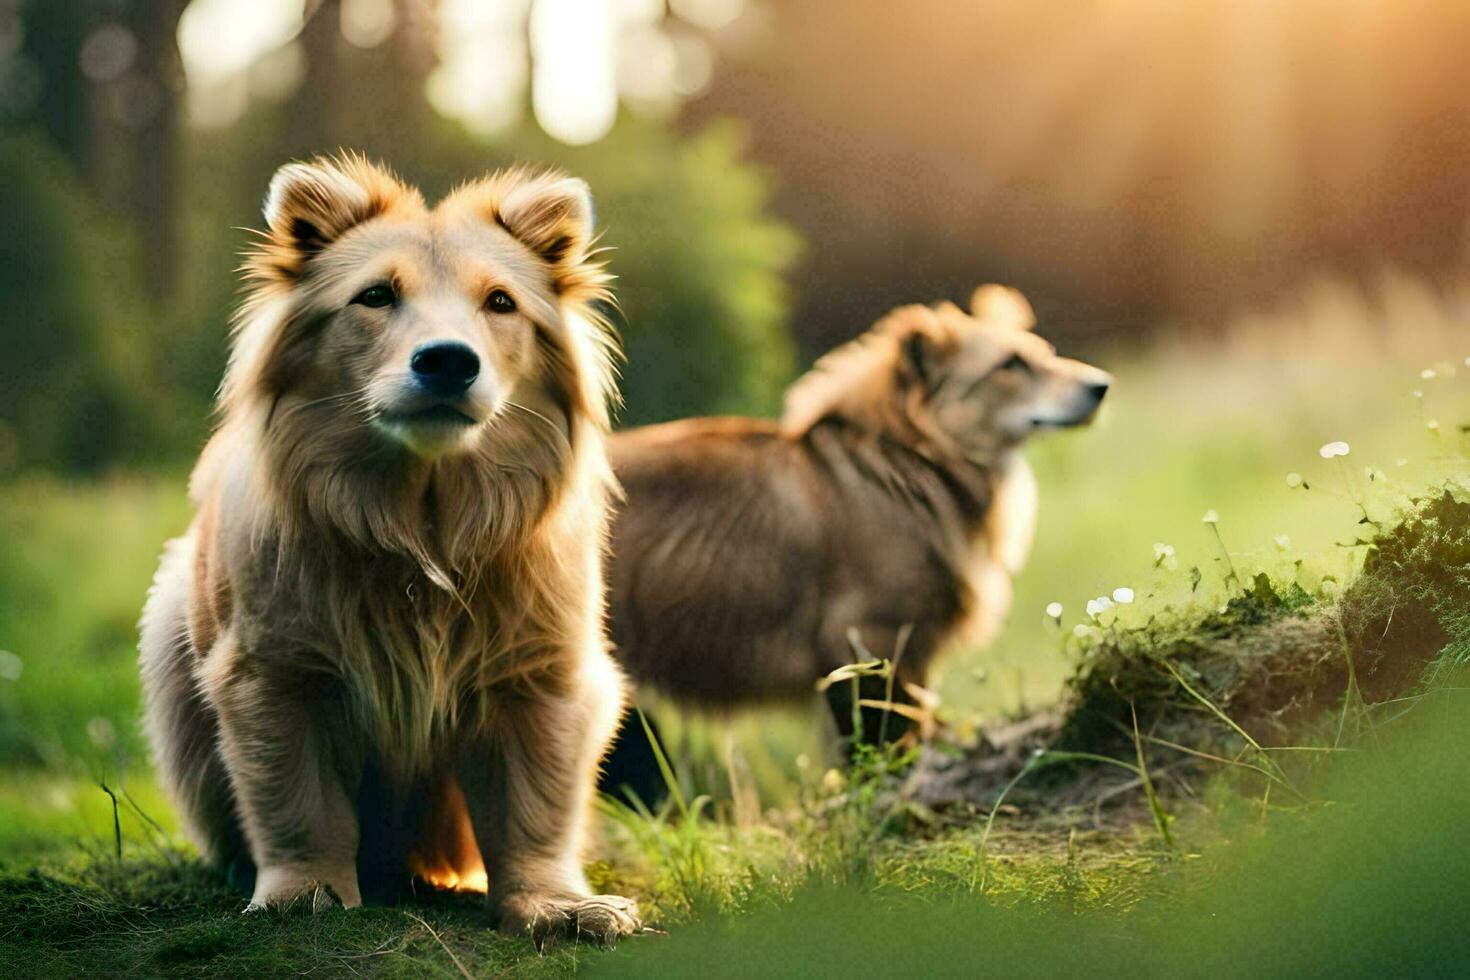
(607, 918)
(287, 888)
(603, 919)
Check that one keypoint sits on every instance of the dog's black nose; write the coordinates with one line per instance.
(444, 367)
(1096, 390)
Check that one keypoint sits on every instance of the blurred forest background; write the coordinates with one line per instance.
(1254, 213)
(773, 174)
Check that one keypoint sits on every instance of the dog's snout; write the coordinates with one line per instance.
(444, 367)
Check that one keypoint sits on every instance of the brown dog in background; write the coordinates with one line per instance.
(378, 653)
(888, 507)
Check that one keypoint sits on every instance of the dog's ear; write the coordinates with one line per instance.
(553, 217)
(310, 205)
(1002, 306)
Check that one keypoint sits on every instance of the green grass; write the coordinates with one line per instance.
(46, 814)
(790, 868)
(102, 916)
(75, 563)
(1368, 886)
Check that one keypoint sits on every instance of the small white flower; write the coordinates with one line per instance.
(1054, 610)
(10, 666)
(1432, 425)
(833, 781)
(1123, 595)
(1418, 393)
(1099, 605)
(1212, 516)
(1428, 374)
(1332, 449)
(1283, 543)
(1082, 630)
(1164, 556)
(1467, 362)
(1293, 480)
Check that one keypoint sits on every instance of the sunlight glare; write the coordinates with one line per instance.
(368, 23)
(573, 87)
(647, 62)
(219, 39)
(482, 73)
(219, 43)
(708, 14)
(639, 11)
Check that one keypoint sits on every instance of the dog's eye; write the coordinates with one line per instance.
(376, 296)
(1015, 363)
(500, 302)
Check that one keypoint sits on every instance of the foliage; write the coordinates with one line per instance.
(79, 384)
(1274, 657)
(1424, 566)
(1305, 897)
(701, 282)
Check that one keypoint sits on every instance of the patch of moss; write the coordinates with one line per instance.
(1193, 689)
(1274, 657)
(1422, 568)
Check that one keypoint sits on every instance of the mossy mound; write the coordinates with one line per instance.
(1263, 669)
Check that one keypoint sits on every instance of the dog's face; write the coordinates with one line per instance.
(991, 382)
(420, 326)
(429, 326)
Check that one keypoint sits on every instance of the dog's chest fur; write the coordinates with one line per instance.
(415, 666)
(999, 551)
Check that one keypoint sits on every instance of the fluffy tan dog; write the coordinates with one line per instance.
(886, 512)
(378, 652)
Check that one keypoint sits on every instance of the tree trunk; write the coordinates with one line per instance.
(155, 171)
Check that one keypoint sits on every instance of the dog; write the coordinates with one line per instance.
(884, 514)
(379, 652)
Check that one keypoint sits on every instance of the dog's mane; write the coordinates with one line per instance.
(868, 401)
(870, 381)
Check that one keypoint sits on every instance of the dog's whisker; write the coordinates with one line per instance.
(549, 423)
(341, 396)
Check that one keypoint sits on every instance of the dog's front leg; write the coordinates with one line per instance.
(528, 786)
(290, 778)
